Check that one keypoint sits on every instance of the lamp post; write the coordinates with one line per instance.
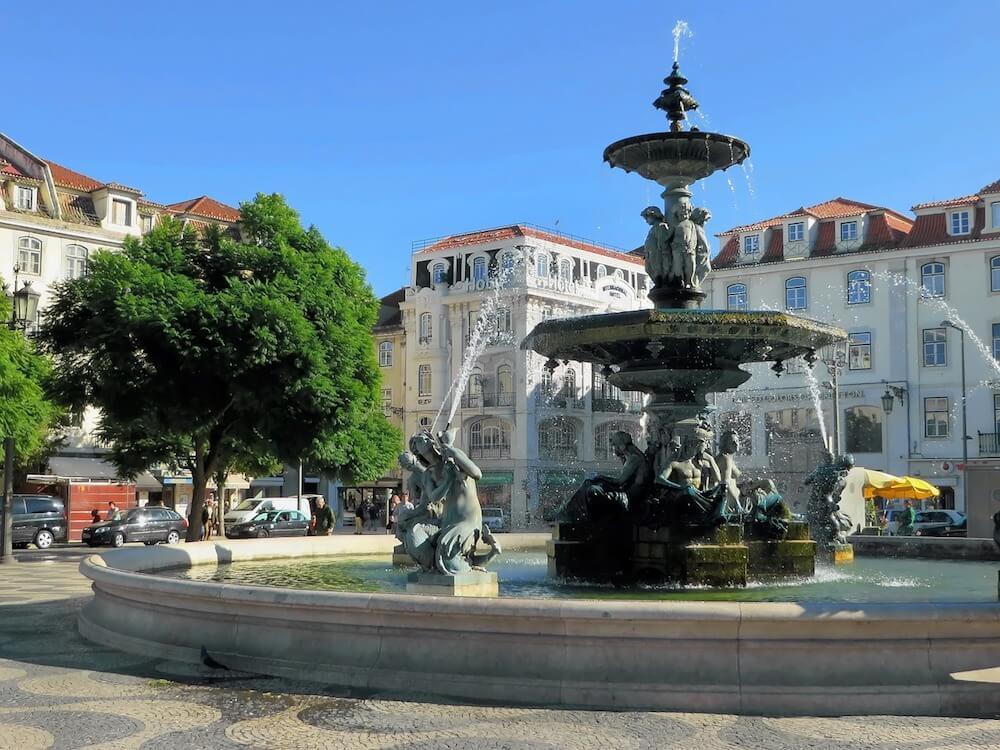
(835, 361)
(23, 309)
(965, 430)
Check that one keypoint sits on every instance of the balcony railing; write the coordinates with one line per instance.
(989, 443)
(560, 400)
(557, 452)
(617, 406)
(489, 451)
(487, 399)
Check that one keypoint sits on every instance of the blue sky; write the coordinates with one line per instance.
(400, 121)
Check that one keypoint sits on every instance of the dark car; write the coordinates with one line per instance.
(149, 525)
(940, 523)
(271, 523)
(38, 520)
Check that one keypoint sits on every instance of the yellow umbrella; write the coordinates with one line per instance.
(891, 488)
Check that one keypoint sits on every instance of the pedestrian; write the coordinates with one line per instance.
(406, 500)
(112, 511)
(907, 520)
(95, 516)
(394, 504)
(206, 519)
(323, 519)
(359, 518)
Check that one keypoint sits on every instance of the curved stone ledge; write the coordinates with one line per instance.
(751, 658)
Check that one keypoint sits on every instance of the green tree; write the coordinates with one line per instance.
(26, 414)
(204, 352)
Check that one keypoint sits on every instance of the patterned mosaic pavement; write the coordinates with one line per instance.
(59, 691)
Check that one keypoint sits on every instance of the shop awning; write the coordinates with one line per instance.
(85, 468)
(892, 487)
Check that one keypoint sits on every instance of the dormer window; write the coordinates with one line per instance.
(796, 231)
(960, 222)
(848, 231)
(751, 244)
(995, 214)
(121, 212)
(25, 198)
(439, 274)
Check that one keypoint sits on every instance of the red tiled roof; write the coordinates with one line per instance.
(825, 242)
(7, 168)
(879, 232)
(206, 207)
(964, 200)
(68, 178)
(727, 255)
(766, 224)
(832, 209)
(775, 247)
(993, 187)
(519, 230)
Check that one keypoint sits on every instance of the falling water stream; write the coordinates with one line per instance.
(681, 28)
(817, 403)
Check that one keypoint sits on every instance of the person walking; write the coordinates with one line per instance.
(394, 504)
(359, 518)
(908, 519)
(95, 516)
(323, 519)
(206, 519)
(112, 511)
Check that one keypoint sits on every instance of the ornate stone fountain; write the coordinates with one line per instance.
(675, 512)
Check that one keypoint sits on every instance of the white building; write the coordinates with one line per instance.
(535, 433)
(890, 281)
(51, 220)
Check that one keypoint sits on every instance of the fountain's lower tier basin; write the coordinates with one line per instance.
(778, 658)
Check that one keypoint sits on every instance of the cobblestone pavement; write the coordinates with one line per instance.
(59, 691)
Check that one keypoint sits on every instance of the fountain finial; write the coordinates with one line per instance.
(676, 100)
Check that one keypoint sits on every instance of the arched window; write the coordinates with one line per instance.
(489, 438)
(995, 273)
(439, 275)
(385, 354)
(76, 261)
(932, 279)
(29, 255)
(619, 273)
(426, 328)
(424, 380)
(602, 437)
(569, 383)
(474, 390)
(859, 288)
(546, 382)
(863, 429)
(795, 294)
(601, 272)
(505, 386)
(425, 423)
(565, 270)
(479, 272)
(542, 265)
(557, 439)
(737, 298)
(507, 262)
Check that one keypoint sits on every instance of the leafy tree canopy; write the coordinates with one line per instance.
(203, 351)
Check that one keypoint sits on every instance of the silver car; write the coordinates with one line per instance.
(494, 520)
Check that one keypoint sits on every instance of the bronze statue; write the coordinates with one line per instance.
(703, 251)
(657, 246)
(683, 245)
(605, 495)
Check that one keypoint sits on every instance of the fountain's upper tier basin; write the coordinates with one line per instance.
(684, 156)
(680, 339)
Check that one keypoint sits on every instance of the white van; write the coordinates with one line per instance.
(254, 505)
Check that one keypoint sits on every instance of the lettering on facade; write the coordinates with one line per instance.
(784, 398)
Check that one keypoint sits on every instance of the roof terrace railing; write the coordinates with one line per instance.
(425, 243)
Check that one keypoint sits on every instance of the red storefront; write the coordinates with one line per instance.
(81, 497)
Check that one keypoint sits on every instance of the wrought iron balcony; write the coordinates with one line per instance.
(488, 399)
(989, 443)
(617, 405)
(489, 451)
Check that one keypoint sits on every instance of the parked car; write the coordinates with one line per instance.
(271, 523)
(146, 524)
(494, 520)
(38, 520)
(252, 506)
(940, 523)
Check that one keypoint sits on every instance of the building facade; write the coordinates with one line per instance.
(908, 290)
(52, 219)
(535, 430)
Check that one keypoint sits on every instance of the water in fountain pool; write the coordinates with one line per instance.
(525, 575)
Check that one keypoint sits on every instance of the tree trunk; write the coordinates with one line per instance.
(221, 474)
(199, 480)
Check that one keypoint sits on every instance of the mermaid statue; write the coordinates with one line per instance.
(445, 527)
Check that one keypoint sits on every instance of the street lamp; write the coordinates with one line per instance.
(23, 311)
(892, 393)
(965, 431)
(835, 361)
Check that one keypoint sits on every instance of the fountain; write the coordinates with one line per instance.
(672, 514)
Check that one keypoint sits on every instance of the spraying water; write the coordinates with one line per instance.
(817, 403)
(492, 327)
(680, 29)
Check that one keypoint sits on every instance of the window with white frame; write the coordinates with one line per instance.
(935, 347)
(751, 244)
(507, 262)
(387, 401)
(565, 270)
(489, 438)
(75, 261)
(959, 222)
(737, 297)
(385, 354)
(29, 255)
(503, 320)
(24, 199)
(425, 423)
(859, 351)
(619, 274)
(542, 265)
(996, 341)
(121, 212)
(147, 222)
(932, 279)
(995, 214)
(479, 269)
(859, 288)
(557, 439)
(505, 385)
(797, 231)
(424, 380)
(995, 273)
(937, 417)
(848, 231)
(796, 297)
(426, 328)
(439, 274)
(601, 272)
